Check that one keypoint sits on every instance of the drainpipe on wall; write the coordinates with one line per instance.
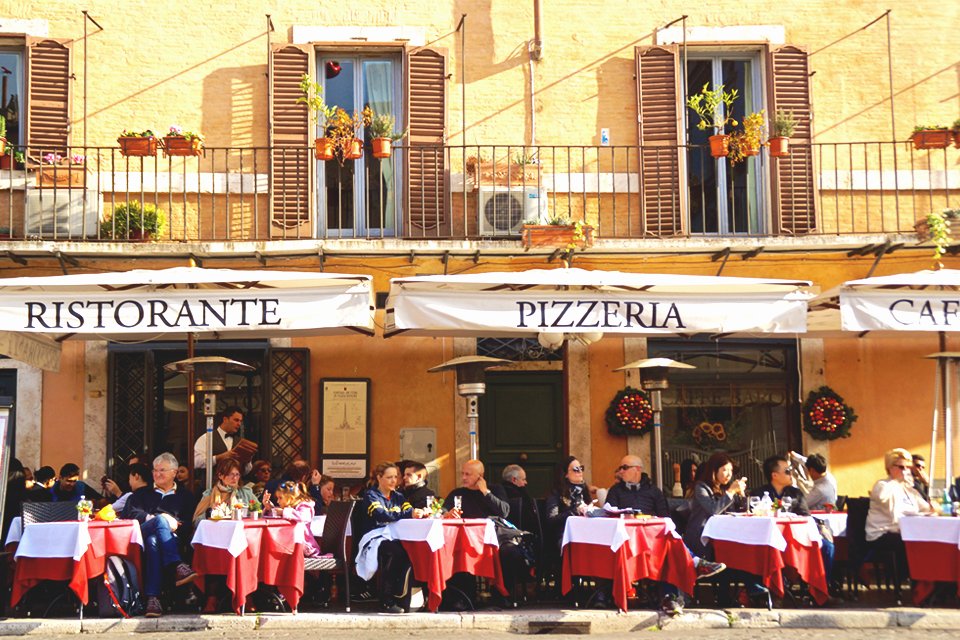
(535, 48)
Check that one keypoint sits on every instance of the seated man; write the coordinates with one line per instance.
(478, 501)
(523, 508)
(163, 509)
(921, 481)
(813, 479)
(635, 491)
(415, 487)
(779, 485)
(138, 477)
(69, 488)
(43, 480)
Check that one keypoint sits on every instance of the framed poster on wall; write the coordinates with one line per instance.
(345, 427)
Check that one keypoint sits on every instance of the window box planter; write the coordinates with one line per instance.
(559, 236)
(931, 139)
(61, 176)
(137, 147)
(181, 146)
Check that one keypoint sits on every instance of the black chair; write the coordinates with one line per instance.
(48, 512)
(861, 553)
(334, 541)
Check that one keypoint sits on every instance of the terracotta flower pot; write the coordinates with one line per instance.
(381, 147)
(750, 150)
(323, 149)
(353, 149)
(3, 146)
(931, 139)
(719, 145)
(779, 147)
(61, 176)
(181, 146)
(137, 146)
(956, 138)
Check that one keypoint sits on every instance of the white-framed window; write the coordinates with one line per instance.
(13, 92)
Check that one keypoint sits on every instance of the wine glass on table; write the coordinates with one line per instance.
(752, 503)
(458, 503)
(785, 503)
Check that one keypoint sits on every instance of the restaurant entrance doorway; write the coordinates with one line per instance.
(522, 422)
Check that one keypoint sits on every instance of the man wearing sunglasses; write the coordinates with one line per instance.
(634, 491)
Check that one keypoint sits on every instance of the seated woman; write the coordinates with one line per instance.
(293, 498)
(716, 492)
(570, 497)
(322, 491)
(226, 489)
(382, 504)
(891, 499)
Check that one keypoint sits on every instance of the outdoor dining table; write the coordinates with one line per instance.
(764, 546)
(248, 552)
(933, 552)
(75, 551)
(625, 550)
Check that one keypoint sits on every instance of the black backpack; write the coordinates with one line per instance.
(118, 596)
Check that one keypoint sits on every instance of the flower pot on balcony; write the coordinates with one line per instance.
(353, 149)
(181, 146)
(323, 149)
(3, 146)
(6, 162)
(560, 236)
(719, 145)
(61, 176)
(381, 147)
(931, 139)
(956, 138)
(779, 147)
(137, 147)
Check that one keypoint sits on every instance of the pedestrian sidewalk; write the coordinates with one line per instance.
(521, 621)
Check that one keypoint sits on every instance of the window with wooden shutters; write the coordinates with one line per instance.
(427, 200)
(658, 109)
(290, 158)
(793, 188)
(48, 96)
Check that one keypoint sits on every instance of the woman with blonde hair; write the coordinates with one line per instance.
(297, 504)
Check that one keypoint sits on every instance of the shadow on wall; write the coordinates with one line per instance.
(235, 106)
(617, 101)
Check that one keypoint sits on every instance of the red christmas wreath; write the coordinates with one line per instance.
(826, 416)
(630, 413)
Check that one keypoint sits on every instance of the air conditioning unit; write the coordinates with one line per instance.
(504, 210)
(65, 215)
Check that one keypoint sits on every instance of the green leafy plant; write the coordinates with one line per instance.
(526, 157)
(3, 127)
(956, 126)
(313, 98)
(929, 127)
(940, 232)
(177, 131)
(381, 126)
(130, 220)
(146, 133)
(784, 124)
(713, 107)
(19, 157)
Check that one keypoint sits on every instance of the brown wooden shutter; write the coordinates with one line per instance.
(659, 120)
(290, 159)
(793, 186)
(426, 168)
(48, 96)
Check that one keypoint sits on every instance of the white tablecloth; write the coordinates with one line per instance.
(316, 526)
(16, 530)
(758, 530)
(930, 529)
(430, 530)
(229, 535)
(836, 520)
(61, 539)
(611, 532)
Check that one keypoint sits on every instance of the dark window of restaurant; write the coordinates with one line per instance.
(741, 398)
(517, 349)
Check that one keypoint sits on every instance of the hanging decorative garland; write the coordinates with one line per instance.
(630, 413)
(826, 416)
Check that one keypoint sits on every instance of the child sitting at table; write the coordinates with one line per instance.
(296, 503)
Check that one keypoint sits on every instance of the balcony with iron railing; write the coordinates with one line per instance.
(479, 193)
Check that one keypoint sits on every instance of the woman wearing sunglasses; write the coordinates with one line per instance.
(570, 497)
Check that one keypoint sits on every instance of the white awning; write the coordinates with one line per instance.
(527, 303)
(37, 351)
(172, 303)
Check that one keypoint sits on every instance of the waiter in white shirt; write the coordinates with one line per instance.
(225, 438)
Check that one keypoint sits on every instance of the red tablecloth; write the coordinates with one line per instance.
(271, 557)
(933, 552)
(106, 539)
(463, 550)
(768, 562)
(651, 552)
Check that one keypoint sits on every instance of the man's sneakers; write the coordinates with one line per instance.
(185, 574)
(707, 569)
(154, 608)
(672, 605)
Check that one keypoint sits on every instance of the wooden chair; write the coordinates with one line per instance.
(334, 541)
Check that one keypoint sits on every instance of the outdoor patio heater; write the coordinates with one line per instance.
(947, 382)
(653, 379)
(209, 376)
(471, 373)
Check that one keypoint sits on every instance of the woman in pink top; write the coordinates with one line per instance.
(293, 498)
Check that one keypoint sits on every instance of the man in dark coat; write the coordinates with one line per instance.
(415, 487)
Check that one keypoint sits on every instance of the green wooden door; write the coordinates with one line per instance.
(522, 422)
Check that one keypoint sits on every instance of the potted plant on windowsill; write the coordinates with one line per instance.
(56, 171)
(322, 112)
(343, 129)
(3, 135)
(746, 143)
(179, 142)
(713, 107)
(558, 231)
(382, 135)
(137, 144)
(784, 124)
(130, 221)
(934, 136)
